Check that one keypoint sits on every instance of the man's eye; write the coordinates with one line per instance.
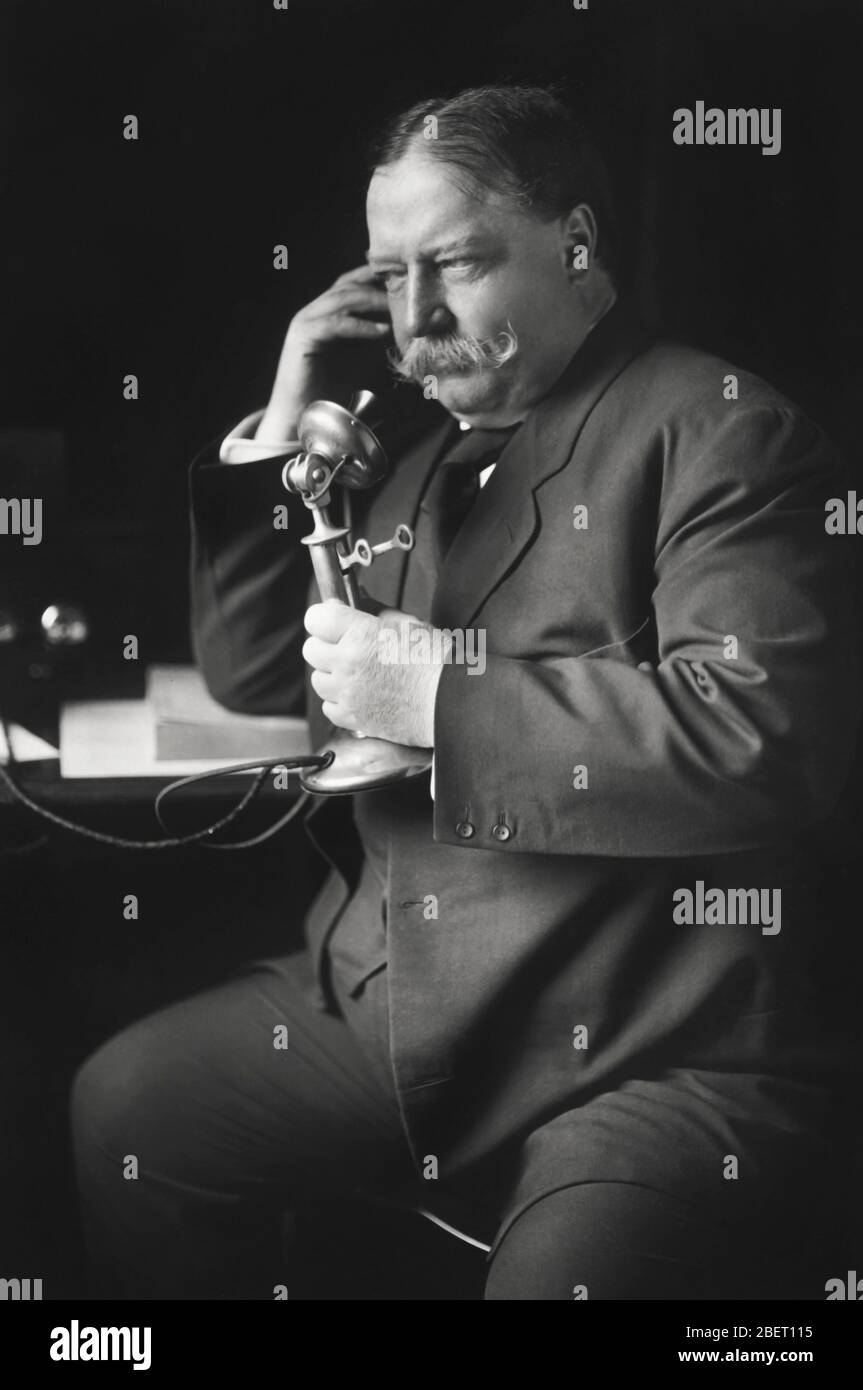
(390, 279)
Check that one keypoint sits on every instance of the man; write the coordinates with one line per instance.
(571, 982)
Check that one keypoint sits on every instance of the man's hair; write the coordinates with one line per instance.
(521, 141)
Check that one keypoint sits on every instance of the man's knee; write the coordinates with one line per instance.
(608, 1241)
(118, 1091)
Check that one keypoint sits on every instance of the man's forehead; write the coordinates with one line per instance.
(443, 236)
(422, 206)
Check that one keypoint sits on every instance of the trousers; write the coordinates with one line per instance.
(194, 1128)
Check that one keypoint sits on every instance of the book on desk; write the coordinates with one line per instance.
(178, 729)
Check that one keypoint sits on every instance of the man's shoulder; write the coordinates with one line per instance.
(685, 403)
(674, 381)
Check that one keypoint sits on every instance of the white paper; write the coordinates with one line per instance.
(116, 738)
(27, 747)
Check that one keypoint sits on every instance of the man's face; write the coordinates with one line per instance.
(457, 264)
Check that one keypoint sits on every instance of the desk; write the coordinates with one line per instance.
(117, 734)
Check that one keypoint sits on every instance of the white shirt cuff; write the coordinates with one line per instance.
(241, 447)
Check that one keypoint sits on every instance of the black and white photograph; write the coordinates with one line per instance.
(431, 808)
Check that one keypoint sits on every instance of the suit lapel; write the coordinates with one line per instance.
(504, 518)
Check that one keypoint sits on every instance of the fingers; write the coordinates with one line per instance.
(348, 315)
(337, 716)
(359, 297)
(329, 621)
(320, 655)
(352, 308)
(324, 685)
(346, 326)
(347, 302)
(360, 274)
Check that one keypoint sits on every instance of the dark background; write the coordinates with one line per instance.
(154, 257)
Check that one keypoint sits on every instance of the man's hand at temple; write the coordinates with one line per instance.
(375, 674)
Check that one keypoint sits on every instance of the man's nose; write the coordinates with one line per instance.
(426, 313)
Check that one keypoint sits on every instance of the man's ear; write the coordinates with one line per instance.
(578, 240)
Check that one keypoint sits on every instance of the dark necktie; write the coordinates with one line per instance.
(455, 486)
(448, 498)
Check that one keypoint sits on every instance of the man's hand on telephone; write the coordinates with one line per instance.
(375, 674)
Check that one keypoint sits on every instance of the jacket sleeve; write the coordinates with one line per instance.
(249, 585)
(716, 745)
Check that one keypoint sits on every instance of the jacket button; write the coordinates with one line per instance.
(704, 680)
(501, 832)
(464, 829)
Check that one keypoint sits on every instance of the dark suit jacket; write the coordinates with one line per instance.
(607, 649)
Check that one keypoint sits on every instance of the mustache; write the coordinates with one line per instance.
(453, 352)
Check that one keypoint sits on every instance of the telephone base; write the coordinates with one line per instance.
(364, 764)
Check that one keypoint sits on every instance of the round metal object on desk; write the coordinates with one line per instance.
(501, 832)
(10, 628)
(464, 829)
(64, 625)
